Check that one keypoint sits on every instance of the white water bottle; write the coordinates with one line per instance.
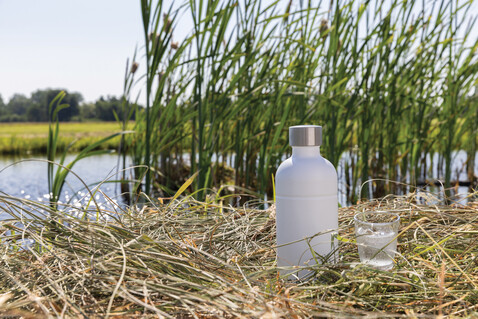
(306, 204)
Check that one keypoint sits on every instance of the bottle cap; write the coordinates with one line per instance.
(305, 135)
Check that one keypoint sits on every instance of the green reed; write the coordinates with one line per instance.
(57, 169)
(391, 84)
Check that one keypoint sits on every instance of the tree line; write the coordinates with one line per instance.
(21, 108)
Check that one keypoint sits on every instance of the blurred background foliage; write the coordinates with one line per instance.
(21, 108)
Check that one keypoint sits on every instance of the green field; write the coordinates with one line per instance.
(32, 138)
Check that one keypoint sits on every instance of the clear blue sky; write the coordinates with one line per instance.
(79, 45)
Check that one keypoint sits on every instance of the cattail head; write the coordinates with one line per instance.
(160, 76)
(134, 67)
(324, 27)
(167, 22)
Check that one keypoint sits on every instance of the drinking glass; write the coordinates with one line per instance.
(376, 234)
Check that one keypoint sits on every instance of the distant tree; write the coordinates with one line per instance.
(41, 100)
(36, 113)
(105, 108)
(15, 110)
(3, 109)
(35, 109)
(18, 104)
(4, 113)
(87, 111)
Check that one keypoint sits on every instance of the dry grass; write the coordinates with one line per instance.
(207, 260)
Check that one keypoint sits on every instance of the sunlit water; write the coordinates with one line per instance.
(28, 180)
(435, 172)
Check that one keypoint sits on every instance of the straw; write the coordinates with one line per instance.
(193, 259)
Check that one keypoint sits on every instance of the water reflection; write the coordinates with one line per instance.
(28, 179)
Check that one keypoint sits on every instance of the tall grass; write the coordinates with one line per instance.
(392, 84)
(57, 169)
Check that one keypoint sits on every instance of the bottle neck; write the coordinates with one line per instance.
(305, 151)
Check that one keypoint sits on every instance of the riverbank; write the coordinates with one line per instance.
(32, 138)
(196, 259)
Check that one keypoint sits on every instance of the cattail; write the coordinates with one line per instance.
(324, 27)
(167, 22)
(134, 67)
(160, 76)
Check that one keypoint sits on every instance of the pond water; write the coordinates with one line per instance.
(27, 178)
(436, 172)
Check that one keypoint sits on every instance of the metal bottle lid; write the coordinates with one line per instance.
(305, 135)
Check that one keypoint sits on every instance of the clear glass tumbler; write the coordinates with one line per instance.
(376, 234)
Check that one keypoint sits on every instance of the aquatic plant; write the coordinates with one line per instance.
(56, 179)
(392, 84)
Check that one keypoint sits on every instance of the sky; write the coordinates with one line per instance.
(78, 45)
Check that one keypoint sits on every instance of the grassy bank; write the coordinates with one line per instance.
(192, 259)
(32, 138)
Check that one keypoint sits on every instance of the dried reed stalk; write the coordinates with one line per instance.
(194, 259)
